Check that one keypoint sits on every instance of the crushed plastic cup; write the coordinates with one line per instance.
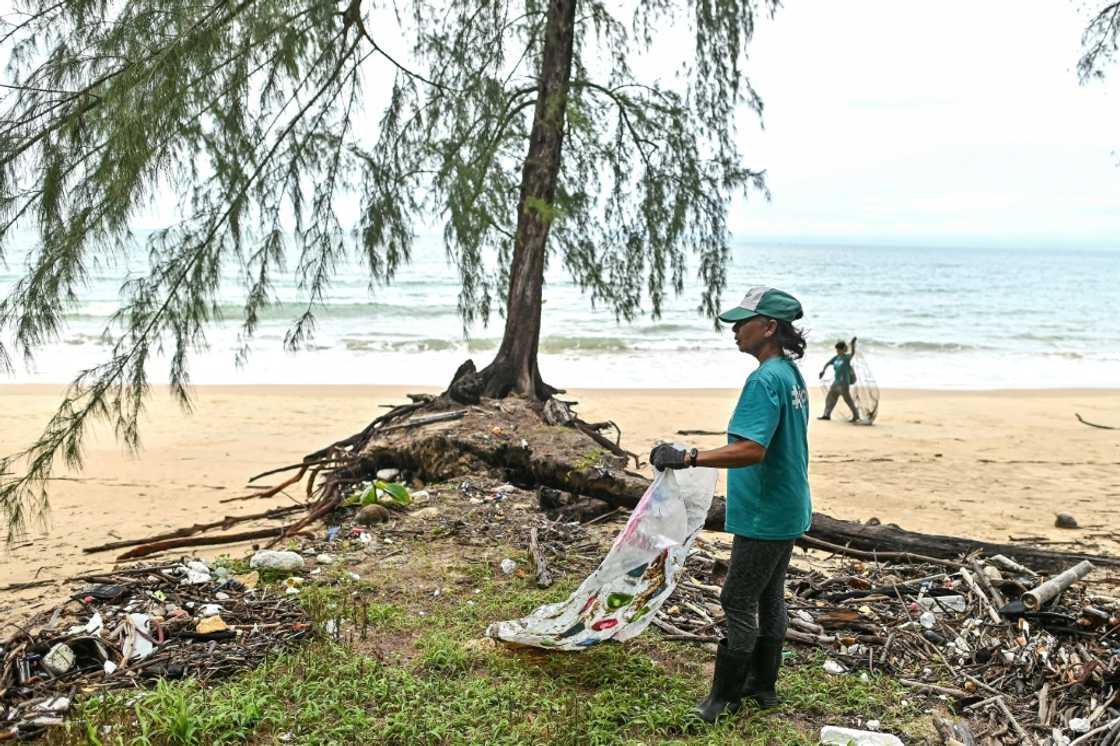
(940, 604)
(59, 659)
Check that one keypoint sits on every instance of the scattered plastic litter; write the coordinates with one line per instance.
(133, 630)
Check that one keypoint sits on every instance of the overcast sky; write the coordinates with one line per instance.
(960, 121)
(926, 122)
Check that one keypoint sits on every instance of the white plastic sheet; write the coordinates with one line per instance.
(620, 599)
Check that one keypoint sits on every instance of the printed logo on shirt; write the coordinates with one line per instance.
(800, 397)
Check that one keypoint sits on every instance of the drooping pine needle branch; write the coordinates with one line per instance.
(250, 122)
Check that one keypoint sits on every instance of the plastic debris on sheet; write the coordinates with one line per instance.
(620, 599)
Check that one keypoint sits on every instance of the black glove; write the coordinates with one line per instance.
(667, 456)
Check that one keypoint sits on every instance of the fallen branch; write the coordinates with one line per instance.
(1093, 424)
(923, 686)
(1101, 729)
(537, 561)
(1027, 737)
(701, 432)
(808, 542)
(25, 586)
(197, 528)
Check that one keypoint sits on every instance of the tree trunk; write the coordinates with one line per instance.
(514, 369)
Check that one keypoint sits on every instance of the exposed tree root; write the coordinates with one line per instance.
(198, 528)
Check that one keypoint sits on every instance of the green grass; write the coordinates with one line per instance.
(430, 679)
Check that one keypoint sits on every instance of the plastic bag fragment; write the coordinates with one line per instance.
(620, 599)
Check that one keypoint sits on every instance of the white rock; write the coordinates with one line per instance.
(837, 736)
(209, 610)
(221, 596)
(508, 566)
(198, 566)
(388, 475)
(873, 724)
(804, 615)
(324, 559)
(269, 559)
(832, 667)
(59, 659)
(1079, 725)
(109, 667)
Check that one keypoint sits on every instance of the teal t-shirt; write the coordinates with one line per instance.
(842, 369)
(770, 500)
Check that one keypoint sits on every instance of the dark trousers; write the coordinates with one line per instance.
(753, 594)
(836, 392)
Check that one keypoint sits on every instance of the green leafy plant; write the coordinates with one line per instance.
(381, 489)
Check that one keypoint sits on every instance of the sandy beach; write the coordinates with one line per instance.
(982, 464)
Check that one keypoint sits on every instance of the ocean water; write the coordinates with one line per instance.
(935, 318)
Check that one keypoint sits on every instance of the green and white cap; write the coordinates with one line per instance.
(762, 301)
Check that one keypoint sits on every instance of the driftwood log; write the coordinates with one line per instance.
(893, 538)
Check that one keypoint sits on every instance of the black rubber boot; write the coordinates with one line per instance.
(763, 677)
(727, 683)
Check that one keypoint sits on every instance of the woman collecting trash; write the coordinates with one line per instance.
(768, 503)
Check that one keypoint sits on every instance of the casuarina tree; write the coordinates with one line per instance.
(532, 131)
(1099, 42)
